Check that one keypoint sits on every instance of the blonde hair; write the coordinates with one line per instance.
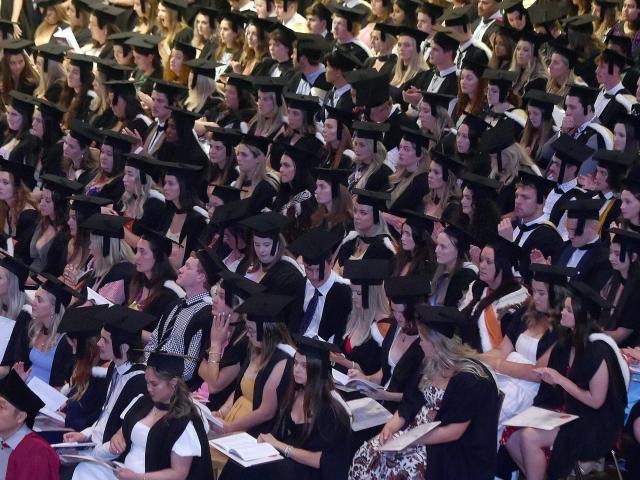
(266, 127)
(135, 201)
(119, 252)
(400, 181)
(512, 158)
(259, 174)
(402, 73)
(556, 88)
(36, 328)
(198, 96)
(378, 302)
(534, 69)
(55, 73)
(61, 17)
(450, 356)
(377, 160)
(16, 298)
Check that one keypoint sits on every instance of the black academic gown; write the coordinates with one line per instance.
(594, 267)
(330, 436)
(26, 151)
(543, 237)
(412, 197)
(283, 278)
(614, 111)
(596, 431)
(467, 398)
(25, 229)
(17, 349)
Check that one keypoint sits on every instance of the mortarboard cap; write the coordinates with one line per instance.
(270, 84)
(200, 66)
(106, 226)
(230, 213)
(552, 274)
(211, 264)
(106, 14)
(172, 90)
(408, 288)
(315, 246)
(563, 50)
(15, 266)
(444, 320)
(437, 99)
(453, 17)
(365, 273)
(265, 308)
(480, 185)
(58, 289)
(386, 29)
(446, 38)
(87, 205)
(188, 50)
(125, 326)
(612, 58)
(621, 41)
(503, 78)
(226, 193)
(51, 51)
(542, 100)
(628, 240)
(355, 14)
(83, 322)
(22, 102)
(570, 150)
(184, 118)
(343, 117)
(14, 46)
(312, 348)
(21, 172)
(334, 176)
(178, 170)
(119, 141)
(241, 82)
(261, 143)
(145, 165)
(266, 224)
(306, 103)
(475, 124)
(613, 160)
(168, 363)
(158, 240)
(582, 210)
(61, 185)
(475, 63)
(238, 285)
(579, 23)
(370, 130)
(509, 6)
(431, 9)
(462, 237)
(591, 299)
(419, 222)
(527, 176)
(228, 136)
(371, 86)
(51, 110)
(376, 200)
(143, 44)
(17, 393)
(496, 139)
(418, 35)
(587, 95)
(417, 137)
(81, 132)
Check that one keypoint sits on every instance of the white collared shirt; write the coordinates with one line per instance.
(13, 441)
(309, 290)
(550, 202)
(602, 102)
(483, 26)
(578, 254)
(438, 78)
(516, 231)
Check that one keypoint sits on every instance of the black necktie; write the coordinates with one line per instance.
(161, 127)
(310, 312)
(609, 96)
(524, 228)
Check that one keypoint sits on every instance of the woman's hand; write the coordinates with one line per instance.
(474, 254)
(220, 328)
(549, 375)
(135, 134)
(356, 372)
(117, 445)
(536, 256)
(632, 354)
(268, 438)
(126, 474)
(236, 66)
(145, 100)
(75, 437)
(386, 434)
(19, 369)
(17, 31)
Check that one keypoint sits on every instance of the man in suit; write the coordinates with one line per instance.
(442, 78)
(489, 19)
(163, 96)
(120, 344)
(458, 21)
(307, 59)
(532, 229)
(586, 252)
(338, 63)
(581, 123)
(563, 169)
(327, 298)
(372, 94)
(609, 74)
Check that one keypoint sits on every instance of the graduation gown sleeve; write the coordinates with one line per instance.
(33, 459)
(62, 366)
(18, 347)
(25, 229)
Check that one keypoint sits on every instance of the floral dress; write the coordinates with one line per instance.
(369, 463)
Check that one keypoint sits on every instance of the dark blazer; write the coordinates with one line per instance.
(335, 312)
(613, 111)
(449, 85)
(594, 267)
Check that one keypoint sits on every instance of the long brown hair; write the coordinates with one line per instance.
(465, 105)
(317, 395)
(341, 210)
(28, 76)
(21, 199)
(83, 366)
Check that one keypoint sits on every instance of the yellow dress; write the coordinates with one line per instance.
(241, 408)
